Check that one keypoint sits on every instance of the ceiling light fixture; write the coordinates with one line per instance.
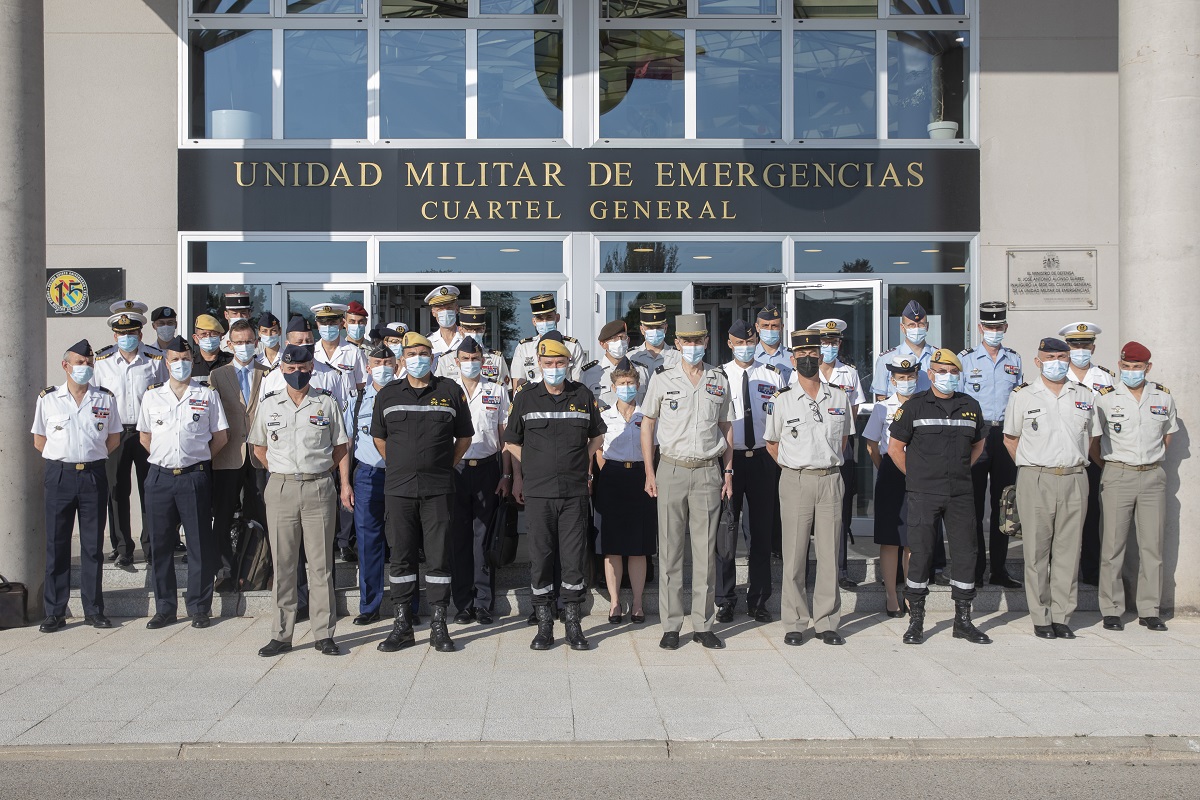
(643, 249)
(899, 263)
(247, 263)
(510, 249)
(702, 258)
(447, 258)
(814, 251)
(959, 269)
(931, 251)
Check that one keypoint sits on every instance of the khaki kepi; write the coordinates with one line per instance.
(691, 325)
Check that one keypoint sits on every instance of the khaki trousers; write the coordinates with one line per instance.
(1127, 496)
(1052, 508)
(302, 513)
(689, 503)
(810, 504)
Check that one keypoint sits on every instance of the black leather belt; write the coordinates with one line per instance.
(749, 453)
(479, 462)
(79, 465)
(180, 470)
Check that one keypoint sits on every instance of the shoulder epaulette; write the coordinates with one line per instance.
(1106, 389)
(1106, 369)
(771, 367)
(662, 368)
(325, 392)
(1010, 350)
(106, 391)
(528, 340)
(153, 386)
(154, 355)
(496, 352)
(721, 370)
(781, 390)
(591, 364)
(570, 339)
(101, 355)
(1162, 388)
(108, 348)
(47, 390)
(1020, 387)
(885, 352)
(603, 406)
(152, 348)
(966, 352)
(269, 395)
(517, 389)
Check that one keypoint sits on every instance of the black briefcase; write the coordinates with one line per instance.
(13, 600)
(253, 559)
(727, 532)
(500, 547)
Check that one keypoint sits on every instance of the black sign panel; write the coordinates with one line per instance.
(538, 190)
(83, 292)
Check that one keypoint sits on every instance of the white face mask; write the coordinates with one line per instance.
(181, 370)
(329, 333)
(1081, 358)
(744, 353)
(243, 352)
(617, 348)
(447, 318)
(693, 353)
(356, 331)
(545, 326)
(906, 388)
(470, 369)
(655, 337)
(993, 338)
(916, 335)
(382, 374)
(166, 333)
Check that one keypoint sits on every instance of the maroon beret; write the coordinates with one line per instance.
(1135, 351)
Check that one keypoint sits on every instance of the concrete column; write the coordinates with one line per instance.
(1159, 57)
(22, 274)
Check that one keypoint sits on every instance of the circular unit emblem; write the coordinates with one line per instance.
(67, 292)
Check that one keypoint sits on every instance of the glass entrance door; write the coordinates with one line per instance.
(299, 298)
(855, 302)
(722, 304)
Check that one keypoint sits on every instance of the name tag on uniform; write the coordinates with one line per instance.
(1082, 406)
(715, 389)
(275, 424)
(837, 412)
(978, 373)
(1012, 369)
(673, 391)
(1158, 410)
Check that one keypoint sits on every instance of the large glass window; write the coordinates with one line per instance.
(873, 257)
(417, 9)
(834, 86)
(301, 301)
(324, 6)
(958, 7)
(502, 258)
(231, 84)
(642, 8)
(817, 9)
(520, 84)
(641, 84)
(325, 84)
(231, 6)
(739, 7)
(946, 304)
(690, 256)
(281, 257)
(628, 306)
(207, 299)
(927, 84)
(738, 85)
(426, 70)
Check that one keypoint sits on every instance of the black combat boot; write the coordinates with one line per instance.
(574, 629)
(402, 631)
(439, 637)
(916, 621)
(544, 639)
(963, 629)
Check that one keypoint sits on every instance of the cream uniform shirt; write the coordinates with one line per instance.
(688, 413)
(1054, 431)
(489, 405)
(641, 354)
(809, 430)
(1131, 431)
(299, 438)
(76, 432)
(181, 428)
(336, 382)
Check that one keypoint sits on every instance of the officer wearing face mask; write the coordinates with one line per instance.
(165, 322)
(127, 369)
(333, 380)
(654, 351)
(234, 305)
(1047, 429)
(914, 327)
(472, 321)
(614, 344)
(208, 355)
(346, 358)
(393, 337)
(270, 340)
(356, 327)
(770, 349)
(525, 365)
(443, 307)
(1081, 336)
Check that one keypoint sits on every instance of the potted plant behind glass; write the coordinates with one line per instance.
(939, 127)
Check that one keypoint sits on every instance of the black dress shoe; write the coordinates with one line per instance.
(365, 619)
(760, 614)
(831, 637)
(124, 562)
(615, 619)
(898, 613)
(348, 555)
(97, 621)
(1113, 624)
(113, 555)
(1153, 623)
(274, 648)
(669, 640)
(709, 640)
(161, 621)
(1007, 581)
(327, 647)
(1044, 632)
(1062, 631)
(464, 616)
(201, 619)
(847, 584)
(725, 613)
(483, 617)
(301, 613)
(794, 638)
(52, 623)
(637, 619)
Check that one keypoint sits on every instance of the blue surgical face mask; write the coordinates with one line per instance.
(916, 335)
(82, 373)
(744, 353)
(693, 353)
(396, 350)
(470, 369)
(356, 331)
(166, 333)
(655, 337)
(829, 353)
(210, 344)
(1055, 370)
(554, 375)
(946, 384)
(1133, 378)
(906, 388)
(1081, 358)
(626, 393)
(545, 326)
(476, 335)
(271, 341)
(769, 337)
(383, 374)
(181, 370)
(329, 333)
(447, 318)
(418, 366)
(127, 342)
(993, 338)
(243, 353)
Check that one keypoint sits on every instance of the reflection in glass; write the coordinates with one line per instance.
(207, 300)
(641, 84)
(324, 6)
(688, 257)
(509, 318)
(518, 6)
(958, 7)
(949, 317)
(627, 306)
(231, 84)
(306, 257)
(812, 9)
(423, 8)
(738, 84)
(405, 302)
(854, 306)
(492, 257)
(301, 302)
(835, 85)
(743, 7)
(868, 258)
(927, 82)
(426, 70)
(231, 6)
(611, 9)
(520, 84)
(721, 304)
(324, 84)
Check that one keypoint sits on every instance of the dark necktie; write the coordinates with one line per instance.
(748, 421)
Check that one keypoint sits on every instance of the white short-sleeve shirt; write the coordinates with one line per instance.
(181, 428)
(76, 432)
(489, 409)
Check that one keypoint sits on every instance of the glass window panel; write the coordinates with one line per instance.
(627, 306)
(813, 9)
(867, 258)
(834, 87)
(721, 304)
(324, 6)
(707, 257)
(426, 70)
(231, 6)
(518, 6)
(520, 84)
(230, 95)
(612, 9)
(423, 8)
(301, 301)
(903, 7)
(286, 257)
(406, 303)
(738, 84)
(946, 304)
(509, 318)
(503, 258)
(325, 84)
(742, 7)
(927, 82)
(641, 84)
(206, 299)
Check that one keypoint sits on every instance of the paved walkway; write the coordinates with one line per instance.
(184, 685)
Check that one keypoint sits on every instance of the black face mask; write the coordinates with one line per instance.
(808, 365)
(297, 380)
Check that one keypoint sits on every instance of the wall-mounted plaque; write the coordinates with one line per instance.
(1052, 279)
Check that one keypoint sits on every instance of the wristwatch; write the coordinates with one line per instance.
(506, 475)
(728, 472)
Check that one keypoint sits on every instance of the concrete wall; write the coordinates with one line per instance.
(111, 141)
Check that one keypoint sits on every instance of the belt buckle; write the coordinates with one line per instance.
(176, 472)
(79, 466)
(474, 462)
(748, 453)
(1060, 471)
(628, 465)
(297, 476)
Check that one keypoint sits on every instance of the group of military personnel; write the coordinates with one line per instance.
(392, 449)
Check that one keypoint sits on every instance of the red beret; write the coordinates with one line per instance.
(1135, 351)
(356, 307)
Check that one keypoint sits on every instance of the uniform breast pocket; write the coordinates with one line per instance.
(197, 421)
(314, 434)
(1034, 421)
(56, 426)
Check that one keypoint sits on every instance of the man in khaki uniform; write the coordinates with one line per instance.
(1134, 422)
(1047, 431)
(806, 432)
(689, 405)
(299, 435)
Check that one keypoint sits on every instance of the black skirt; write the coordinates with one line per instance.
(890, 525)
(628, 516)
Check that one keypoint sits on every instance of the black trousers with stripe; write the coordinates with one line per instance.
(958, 513)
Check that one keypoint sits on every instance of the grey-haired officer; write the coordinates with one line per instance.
(75, 427)
(127, 368)
(808, 424)
(443, 307)
(614, 345)
(1047, 430)
(472, 321)
(333, 351)
(914, 327)
(165, 323)
(990, 373)
(654, 351)
(1135, 420)
(299, 435)
(688, 407)
(1081, 336)
(208, 333)
(771, 349)
(525, 365)
(181, 425)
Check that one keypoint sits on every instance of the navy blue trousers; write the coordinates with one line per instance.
(368, 522)
(171, 501)
(472, 584)
(72, 492)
